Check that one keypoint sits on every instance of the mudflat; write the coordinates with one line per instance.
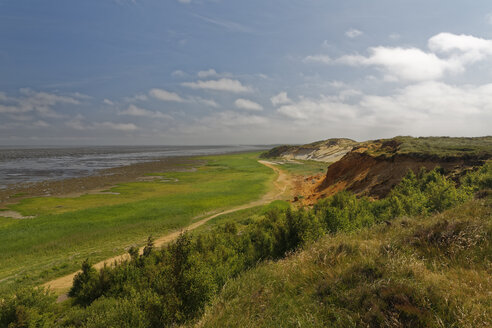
(101, 180)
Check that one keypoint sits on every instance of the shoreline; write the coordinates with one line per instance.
(101, 180)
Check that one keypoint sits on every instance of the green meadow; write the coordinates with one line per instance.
(66, 231)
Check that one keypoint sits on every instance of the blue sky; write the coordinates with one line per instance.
(242, 72)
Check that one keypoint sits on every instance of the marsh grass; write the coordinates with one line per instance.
(68, 230)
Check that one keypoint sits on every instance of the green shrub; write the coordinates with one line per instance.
(29, 307)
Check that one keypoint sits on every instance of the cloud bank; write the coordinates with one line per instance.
(449, 54)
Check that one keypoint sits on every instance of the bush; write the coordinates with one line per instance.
(28, 308)
(86, 285)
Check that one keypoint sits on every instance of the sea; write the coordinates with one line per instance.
(34, 164)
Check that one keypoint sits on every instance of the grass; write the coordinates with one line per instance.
(240, 217)
(437, 146)
(302, 167)
(417, 272)
(68, 230)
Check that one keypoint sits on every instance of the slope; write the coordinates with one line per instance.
(432, 272)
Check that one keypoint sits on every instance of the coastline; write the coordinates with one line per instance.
(101, 180)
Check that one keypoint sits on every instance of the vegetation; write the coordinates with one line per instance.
(68, 230)
(303, 167)
(277, 151)
(420, 272)
(353, 272)
(441, 147)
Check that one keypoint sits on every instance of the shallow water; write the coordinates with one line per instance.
(19, 165)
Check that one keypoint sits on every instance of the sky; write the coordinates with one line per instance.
(208, 72)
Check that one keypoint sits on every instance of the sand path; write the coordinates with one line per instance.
(282, 184)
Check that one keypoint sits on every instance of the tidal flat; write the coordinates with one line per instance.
(67, 230)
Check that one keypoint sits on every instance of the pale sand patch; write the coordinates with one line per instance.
(99, 191)
(283, 185)
(14, 215)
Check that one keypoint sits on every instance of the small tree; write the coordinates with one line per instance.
(85, 288)
(149, 247)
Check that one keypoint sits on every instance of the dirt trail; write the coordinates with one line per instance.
(283, 184)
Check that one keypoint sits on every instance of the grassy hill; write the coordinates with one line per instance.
(418, 272)
(437, 147)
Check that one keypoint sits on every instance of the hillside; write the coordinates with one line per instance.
(374, 167)
(421, 272)
(330, 150)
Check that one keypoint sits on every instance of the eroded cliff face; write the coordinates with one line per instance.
(362, 173)
(330, 150)
(376, 176)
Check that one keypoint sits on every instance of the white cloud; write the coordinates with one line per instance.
(11, 109)
(228, 25)
(165, 95)
(133, 110)
(338, 84)
(449, 53)
(207, 73)
(465, 49)
(233, 119)
(41, 124)
(488, 17)
(79, 123)
(206, 102)
(79, 95)
(324, 109)
(184, 1)
(138, 97)
(394, 36)
(353, 33)
(219, 85)
(319, 59)
(30, 101)
(280, 99)
(247, 104)
(126, 127)
(435, 99)
(424, 108)
(21, 117)
(403, 63)
(178, 73)
(108, 102)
